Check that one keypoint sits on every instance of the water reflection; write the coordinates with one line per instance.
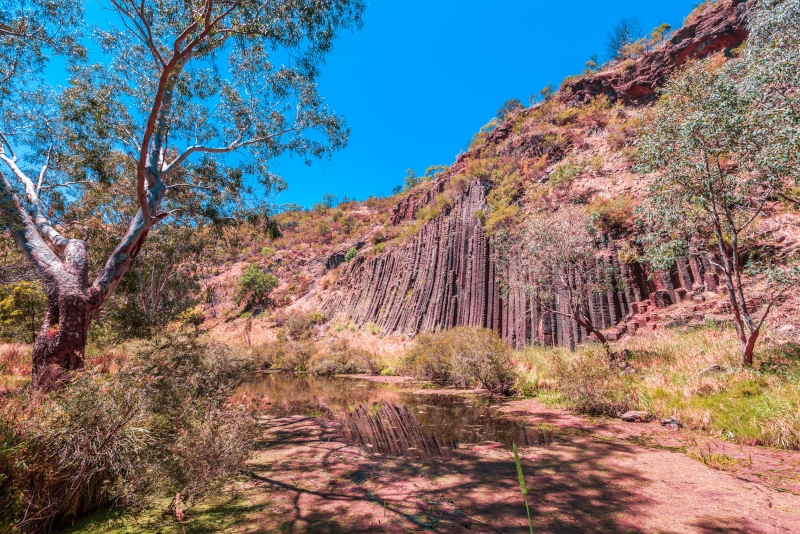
(389, 418)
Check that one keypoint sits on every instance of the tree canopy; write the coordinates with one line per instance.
(176, 114)
(721, 142)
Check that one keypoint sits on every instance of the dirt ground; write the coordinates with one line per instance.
(596, 476)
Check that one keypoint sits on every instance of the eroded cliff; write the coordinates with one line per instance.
(447, 274)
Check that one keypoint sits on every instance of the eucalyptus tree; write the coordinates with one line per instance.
(769, 74)
(179, 85)
(30, 30)
(709, 189)
(566, 268)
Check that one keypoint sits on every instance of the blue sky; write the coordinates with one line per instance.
(422, 77)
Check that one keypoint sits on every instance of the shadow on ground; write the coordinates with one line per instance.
(571, 487)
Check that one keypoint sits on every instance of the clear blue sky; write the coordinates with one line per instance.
(424, 75)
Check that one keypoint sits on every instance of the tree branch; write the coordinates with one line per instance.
(28, 239)
(235, 145)
(42, 222)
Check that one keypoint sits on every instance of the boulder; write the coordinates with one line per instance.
(636, 417)
(671, 423)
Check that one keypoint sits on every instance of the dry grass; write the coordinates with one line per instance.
(692, 375)
(163, 424)
(15, 359)
(700, 9)
(15, 367)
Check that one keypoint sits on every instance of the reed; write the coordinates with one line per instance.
(522, 487)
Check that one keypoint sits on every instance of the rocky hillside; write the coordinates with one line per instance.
(448, 275)
(430, 261)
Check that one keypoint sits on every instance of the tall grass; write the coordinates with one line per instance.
(522, 487)
(161, 425)
(693, 375)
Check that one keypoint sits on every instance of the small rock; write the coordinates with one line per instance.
(711, 369)
(672, 423)
(635, 417)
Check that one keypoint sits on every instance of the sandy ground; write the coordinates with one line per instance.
(596, 476)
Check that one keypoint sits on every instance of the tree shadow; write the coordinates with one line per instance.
(716, 525)
(572, 488)
(320, 523)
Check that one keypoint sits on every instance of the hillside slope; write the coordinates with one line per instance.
(430, 261)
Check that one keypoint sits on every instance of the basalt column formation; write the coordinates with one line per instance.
(446, 276)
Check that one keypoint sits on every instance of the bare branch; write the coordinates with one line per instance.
(236, 145)
(67, 184)
(42, 222)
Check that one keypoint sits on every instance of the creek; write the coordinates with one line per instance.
(392, 417)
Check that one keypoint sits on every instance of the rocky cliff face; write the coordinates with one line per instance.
(721, 29)
(448, 275)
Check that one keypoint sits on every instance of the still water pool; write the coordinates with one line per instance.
(392, 417)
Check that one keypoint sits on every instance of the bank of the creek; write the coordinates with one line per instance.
(356, 455)
(377, 455)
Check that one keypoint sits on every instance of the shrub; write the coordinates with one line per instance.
(511, 106)
(352, 253)
(378, 237)
(691, 374)
(255, 285)
(567, 116)
(595, 163)
(342, 358)
(462, 357)
(427, 213)
(300, 324)
(293, 355)
(162, 425)
(628, 253)
(622, 132)
(22, 306)
(430, 358)
(565, 173)
(613, 215)
(267, 252)
(15, 359)
(590, 387)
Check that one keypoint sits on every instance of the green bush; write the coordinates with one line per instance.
(255, 285)
(352, 253)
(292, 355)
(565, 173)
(590, 387)
(22, 307)
(463, 357)
(613, 215)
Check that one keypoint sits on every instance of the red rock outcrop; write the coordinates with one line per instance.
(723, 28)
(447, 275)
